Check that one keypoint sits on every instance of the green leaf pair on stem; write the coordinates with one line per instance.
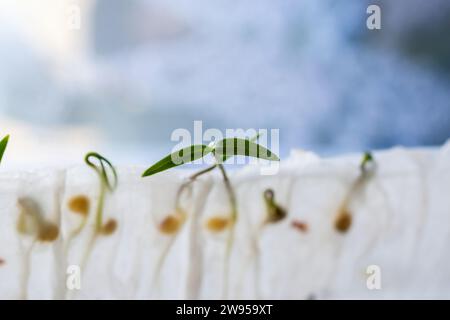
(222, 151)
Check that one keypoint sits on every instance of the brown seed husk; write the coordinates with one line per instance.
(173, 222)
(109, 227)
(170, 224)
(79, 204)
(218, 224)
(343, 221)
(48, 232)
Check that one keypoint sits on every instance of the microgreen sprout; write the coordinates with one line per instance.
(106, 185)
(275, 213)
(367, 168)
(32, 221)
(80, 204)
(222, 151)
(3, 145)
(32, 224)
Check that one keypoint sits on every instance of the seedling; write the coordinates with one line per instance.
(80, 204)
(3, 145)
(106, 185)
(274, 214)
(367, 168)
(221, 151)
(32, 221)
(33, 224)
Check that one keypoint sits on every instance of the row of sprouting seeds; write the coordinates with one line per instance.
(221, 151)
(32, 222)
(274, 212)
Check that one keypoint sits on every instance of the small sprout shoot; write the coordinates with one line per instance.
(274, 212)
(367, 163)
(107, 184)
(80, 204)
(343, 220)
(3, 145)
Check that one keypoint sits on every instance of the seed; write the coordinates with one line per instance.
(173, 222)
(2, 262)
(170, 224)
(217, 224)
(300, 225)
(343, 221)
(48, 232)
(79, 204)
(109, 227)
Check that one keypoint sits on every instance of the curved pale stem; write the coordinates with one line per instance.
(229, 245)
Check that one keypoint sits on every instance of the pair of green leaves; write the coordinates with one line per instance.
(222, 151)
(3, 145)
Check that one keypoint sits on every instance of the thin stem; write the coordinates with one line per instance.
(161, 261)
(74, 233)
(229, 245)
(191, 180)
(164, 254)
(26, 272)
(101, 204)
(231, 195)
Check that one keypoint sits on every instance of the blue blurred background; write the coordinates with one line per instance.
(136, 70)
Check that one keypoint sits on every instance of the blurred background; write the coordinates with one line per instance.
(136, 70)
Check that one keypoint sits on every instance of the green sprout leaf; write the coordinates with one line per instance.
(3, 145)
(366, 163)
(229, 147)
(178, 158)
(253, 139)
(101, 169)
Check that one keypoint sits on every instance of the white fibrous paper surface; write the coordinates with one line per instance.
(395, 246)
